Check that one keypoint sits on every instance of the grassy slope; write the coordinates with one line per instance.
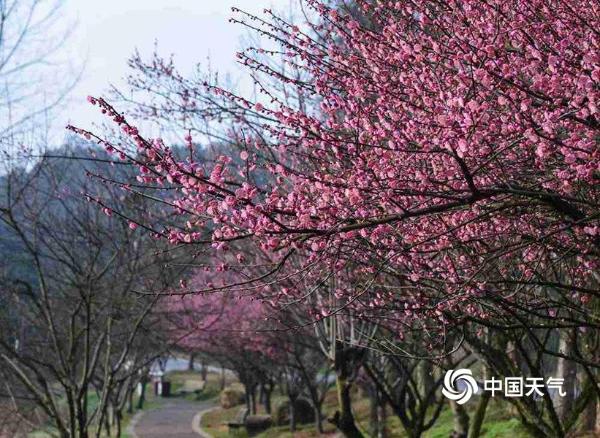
(498, 423)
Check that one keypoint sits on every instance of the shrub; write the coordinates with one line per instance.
(231, 397)
(302, 408)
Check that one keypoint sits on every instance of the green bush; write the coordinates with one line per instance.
(303, 410)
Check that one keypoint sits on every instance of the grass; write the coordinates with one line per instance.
(499, 422)
(215, 421)
(302, 431)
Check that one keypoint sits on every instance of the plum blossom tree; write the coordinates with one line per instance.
(430, 165)
(228, 328)
(445, 141)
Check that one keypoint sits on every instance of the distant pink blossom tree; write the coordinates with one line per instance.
(229, 328)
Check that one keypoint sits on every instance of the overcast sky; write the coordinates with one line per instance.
(107, 32)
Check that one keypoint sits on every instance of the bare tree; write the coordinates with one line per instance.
(75, 325)
(35, 75)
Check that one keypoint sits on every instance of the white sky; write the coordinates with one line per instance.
(108, 31)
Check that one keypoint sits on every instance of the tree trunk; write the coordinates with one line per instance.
(130, 400)
(253, 396)
(346, 361)
(374, 419)
(292, 414)
(480, 410)
(282, 385)
(567, 370)
(191, 362)
(378, 413)
(267, 398)
(344, 418)
(204, 370)
(248, 399)
(222, 377)
(142, 399)
(461, 420)
(82, 418)
(318, 418)
(425, 376)
(479, 415)
(588, 416)
(107, 425)
(381, 416)
(118, 424)
(597, 430)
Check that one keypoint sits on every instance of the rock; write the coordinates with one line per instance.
(303, 411)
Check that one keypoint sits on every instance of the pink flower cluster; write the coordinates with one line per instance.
(453, 153)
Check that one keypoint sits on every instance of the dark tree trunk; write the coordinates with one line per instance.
(589, 416)
(118, 424)
(480, 410)
(377, 412)
(461, 420)
(222, 377)
(344, 418)
(130, 400)
(292, 414)
(479, 415)
(191, 362)
(346, 362)
(142, 399)
(266, 393)
(107, 425)
(204, 370)
(381, 416)
(261, 394)
(82, 419)
(282, 385)
(248, 398)
(318, 418)
(253, 397)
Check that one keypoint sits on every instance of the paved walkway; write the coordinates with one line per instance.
(173, 418)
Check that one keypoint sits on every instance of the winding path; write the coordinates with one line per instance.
(174, 418)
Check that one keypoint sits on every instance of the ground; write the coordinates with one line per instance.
(172, 418)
